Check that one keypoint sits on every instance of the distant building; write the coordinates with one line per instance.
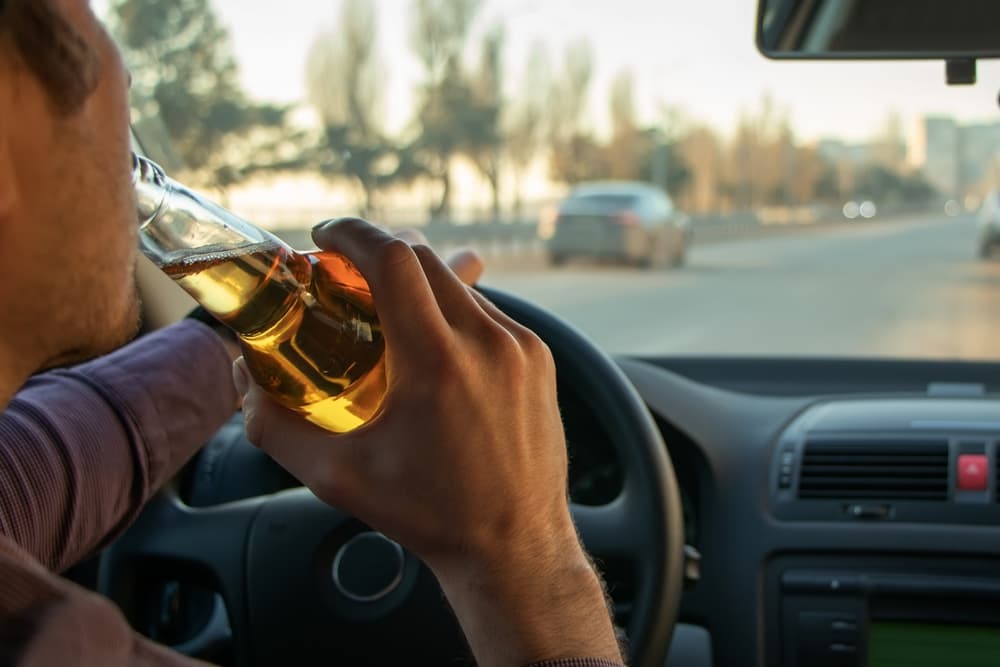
(941, 157)
(960, 159)
(979, 154)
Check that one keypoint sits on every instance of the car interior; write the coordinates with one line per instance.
(773, 510)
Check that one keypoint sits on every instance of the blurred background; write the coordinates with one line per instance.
(830, 208)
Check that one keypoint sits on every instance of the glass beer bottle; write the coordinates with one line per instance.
(306, 320)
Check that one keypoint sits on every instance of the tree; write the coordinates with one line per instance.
(662, 163)
(186, 80)
(579, 158)
(628, 149)
(744, 150)
(439, 32)
(827, 188)
(344, 81)
(760, 156)
(668, 167)
(483, 131)
(525, 123)
(576, 155)
(579, 71)
(701, 149)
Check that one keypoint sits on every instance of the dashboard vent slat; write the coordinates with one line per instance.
(874, 469)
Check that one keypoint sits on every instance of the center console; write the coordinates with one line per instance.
(898, 465)
(885, 611)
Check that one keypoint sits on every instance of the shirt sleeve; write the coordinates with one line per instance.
(82, 449)
(45, 620)
(577, 662)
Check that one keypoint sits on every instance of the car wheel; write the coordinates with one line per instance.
(680, 257)
(660, 256)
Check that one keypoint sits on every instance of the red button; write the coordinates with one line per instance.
(972, 472)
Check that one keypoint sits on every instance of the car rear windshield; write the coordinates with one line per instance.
(598, 203)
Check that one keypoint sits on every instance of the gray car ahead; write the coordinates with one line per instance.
(634, 223)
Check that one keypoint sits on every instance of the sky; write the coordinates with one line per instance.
(698, 55)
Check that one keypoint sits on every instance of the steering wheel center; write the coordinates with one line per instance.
(368, 567)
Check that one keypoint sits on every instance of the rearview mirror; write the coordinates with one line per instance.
(954, 30)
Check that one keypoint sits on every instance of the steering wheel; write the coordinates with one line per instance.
(304, 583)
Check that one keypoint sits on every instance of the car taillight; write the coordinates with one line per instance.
(626, 218)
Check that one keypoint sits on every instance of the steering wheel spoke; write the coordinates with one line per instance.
(608, 530)
(173, 531)
(173, 541)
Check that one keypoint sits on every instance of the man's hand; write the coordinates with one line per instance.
(466, 264)
(465, 464)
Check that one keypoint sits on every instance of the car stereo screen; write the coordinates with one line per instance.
(932, 645)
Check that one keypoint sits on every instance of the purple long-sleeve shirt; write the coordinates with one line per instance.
(81, 450)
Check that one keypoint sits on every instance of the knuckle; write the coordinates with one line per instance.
(353, 221)
(351, 225)
(356, 232)
(335, 482)
(440, 363)
(412, 236)
(499, 341)
(324, 483)
(393, 253)
(448, 369)
(423, 251)
(534, 359)
(533, 346)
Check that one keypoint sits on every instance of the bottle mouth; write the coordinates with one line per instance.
(145, 170)
(150, 183)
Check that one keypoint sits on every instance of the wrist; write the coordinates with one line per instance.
(532, 602)
(228, 337)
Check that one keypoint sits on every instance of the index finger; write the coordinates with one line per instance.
(403, 298)
(466, 264)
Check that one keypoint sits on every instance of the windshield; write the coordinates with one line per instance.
(822, 209)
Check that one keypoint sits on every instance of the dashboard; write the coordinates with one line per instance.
(842, 509)
(845, 511)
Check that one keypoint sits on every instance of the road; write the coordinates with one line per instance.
(903, 288)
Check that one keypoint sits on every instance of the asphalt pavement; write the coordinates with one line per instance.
(903, 288)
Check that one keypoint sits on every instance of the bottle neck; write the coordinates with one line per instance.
(177, 224)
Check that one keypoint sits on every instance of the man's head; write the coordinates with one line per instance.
(67, 217)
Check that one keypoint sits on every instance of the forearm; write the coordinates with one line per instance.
(519, 609)
(81, 449)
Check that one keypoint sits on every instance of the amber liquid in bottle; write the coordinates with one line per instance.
(308, 326)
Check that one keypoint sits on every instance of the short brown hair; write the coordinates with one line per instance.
(52, 49)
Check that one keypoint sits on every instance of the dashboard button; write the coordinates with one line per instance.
(844, 626)
(972, 469)
(842, 649)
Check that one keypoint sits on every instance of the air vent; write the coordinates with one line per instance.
(875, 469)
